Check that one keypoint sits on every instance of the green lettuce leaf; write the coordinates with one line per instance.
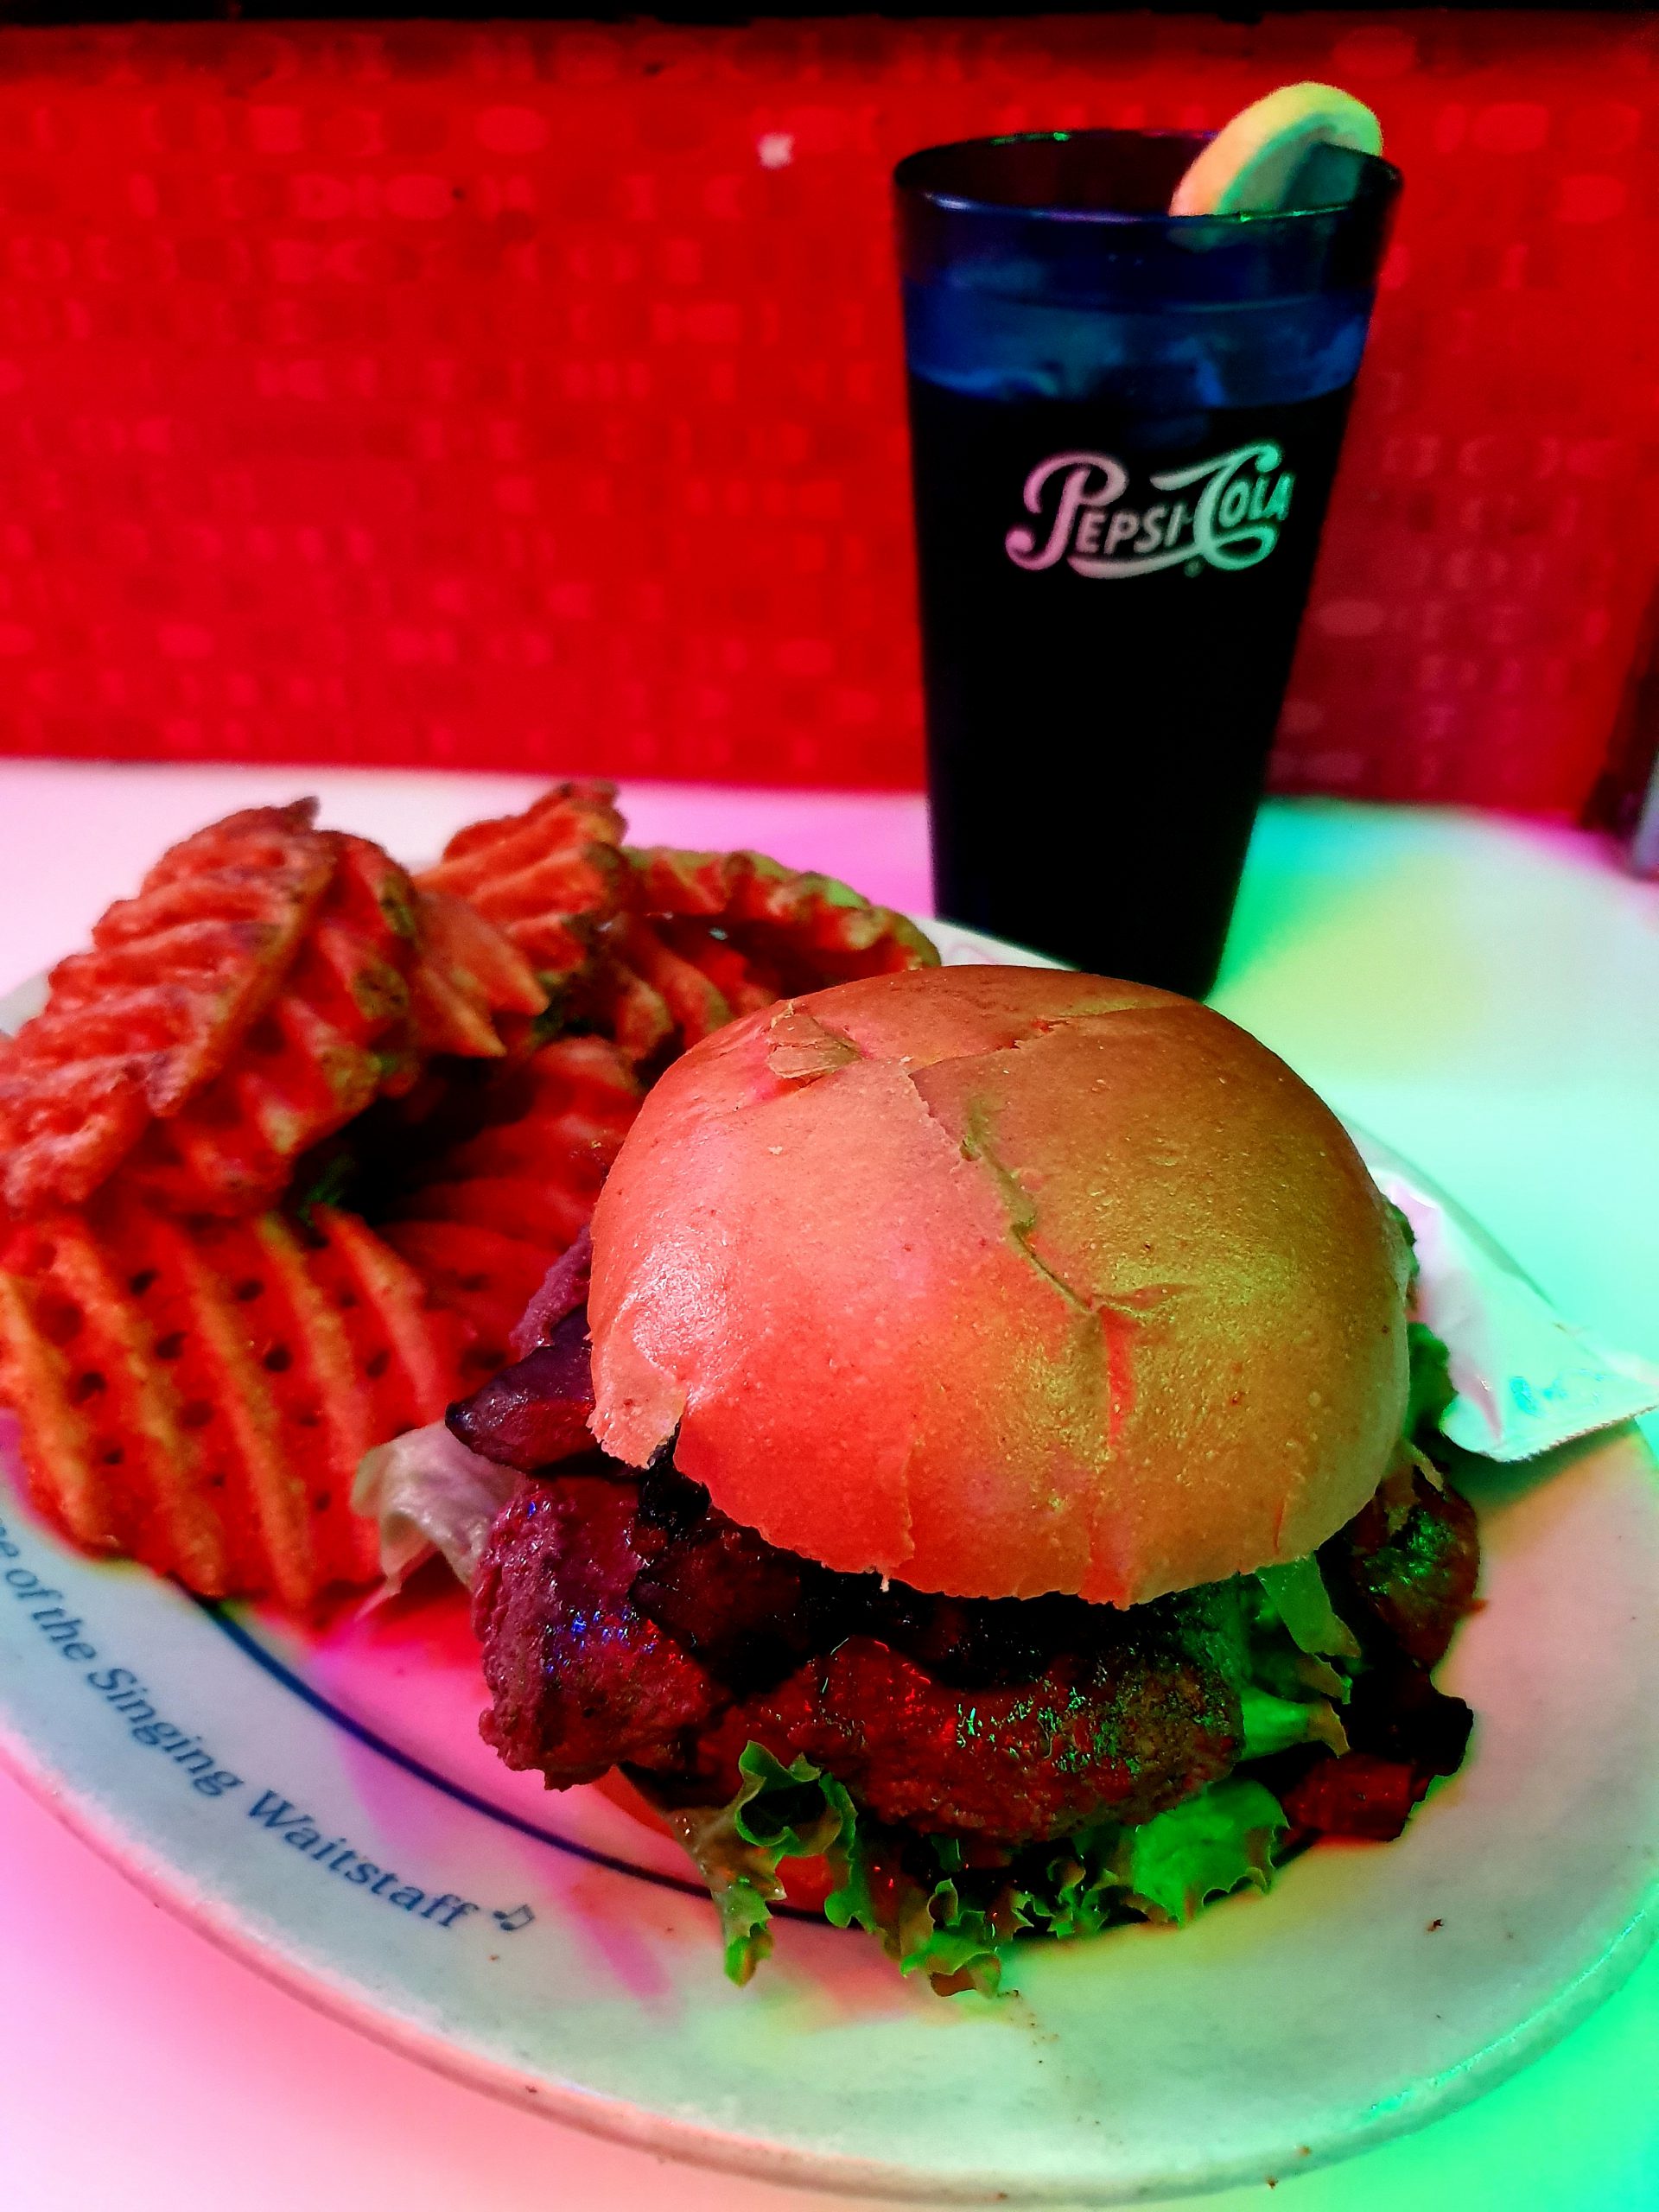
(1081, 1889)
(1212, 1844)
(1431, 1390)
(325, 1177)
(928, 1926)
(1275, 1664)
(933, 1914)
(779, 1812)
(1403, 1223)
(794, 1812)
(1278, 1724)
(950, 1941)
(1297, 1595)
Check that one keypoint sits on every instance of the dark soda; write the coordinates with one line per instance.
(1124, 427)
(1110, 607)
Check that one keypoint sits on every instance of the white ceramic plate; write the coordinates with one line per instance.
(354, 1839)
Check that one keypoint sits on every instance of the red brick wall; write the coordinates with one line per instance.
(530, 395)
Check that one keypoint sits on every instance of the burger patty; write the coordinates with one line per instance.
(626, 1623)
(581, 1680)
(629, 1624)
(1403, 1575)
(1122, 1730)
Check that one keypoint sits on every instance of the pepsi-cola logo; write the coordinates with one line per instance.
(1230, 517)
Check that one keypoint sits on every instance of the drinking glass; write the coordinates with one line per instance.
(1124, 428)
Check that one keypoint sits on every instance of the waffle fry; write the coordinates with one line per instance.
(746, 981)
(546, 878)
(618, 1002)
(197, 1374)
(694, 1002)
(385, 978)
(337, 1035)
(468, 974)
(653, 947)
(174, 979)
(708, 936)
(487, 1215)
(814, 929)
(198, 1397)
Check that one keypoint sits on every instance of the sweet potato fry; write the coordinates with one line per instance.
(809, 923)
(385, 978)
(694, 1002)
(483, 1219)
(196, 1374)
(546, 877)
(653, 947)
(468, 974)
(198, 1397)
(708, 936)
(174, 979)
(337, 1035)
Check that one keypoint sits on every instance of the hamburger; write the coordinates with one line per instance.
(977, 1481)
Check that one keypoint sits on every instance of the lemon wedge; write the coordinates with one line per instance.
(1254, 163)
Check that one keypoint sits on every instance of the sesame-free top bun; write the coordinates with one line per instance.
(1002, 1281)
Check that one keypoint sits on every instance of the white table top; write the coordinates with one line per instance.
(1485, 994)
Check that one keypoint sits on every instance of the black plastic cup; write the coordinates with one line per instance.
(1124, 427)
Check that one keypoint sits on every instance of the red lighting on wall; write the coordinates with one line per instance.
(530, 395)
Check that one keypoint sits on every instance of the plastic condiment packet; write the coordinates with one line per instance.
(1527, 1380)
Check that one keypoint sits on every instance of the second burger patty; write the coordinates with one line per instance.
(628, 1623)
